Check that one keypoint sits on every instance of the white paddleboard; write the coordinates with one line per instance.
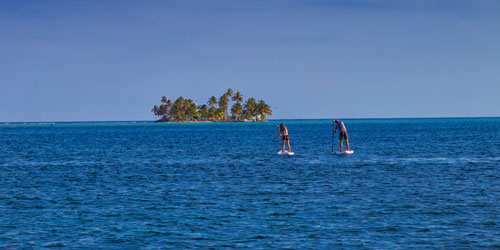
(347, 152)
(285, 153)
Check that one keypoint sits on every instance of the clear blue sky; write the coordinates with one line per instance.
(113, 60)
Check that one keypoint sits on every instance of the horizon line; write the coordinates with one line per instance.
(277, 119)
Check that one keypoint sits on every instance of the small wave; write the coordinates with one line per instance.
(281, 214)
(387, 229)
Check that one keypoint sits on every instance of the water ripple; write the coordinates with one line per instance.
(223, 186)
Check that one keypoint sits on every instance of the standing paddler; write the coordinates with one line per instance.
(339, 125)
(286, 139)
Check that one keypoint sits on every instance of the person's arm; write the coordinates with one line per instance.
(335, 130)
(279, 133)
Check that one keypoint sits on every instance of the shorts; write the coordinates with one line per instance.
(286, 138)
(343, 136)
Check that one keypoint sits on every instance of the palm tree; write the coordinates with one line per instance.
(203, 111)
(187, 109)
(229, 92)
(263, 109)
(164, 100)
(251, 106)
(177, 110)
(238, 97)
(168, 105)
(155, 111)
(193, 112)
(212, 101)
(211, 113)
(220, 114)
(248, 115)
(162, 110)
(223, 101)
(236, 111)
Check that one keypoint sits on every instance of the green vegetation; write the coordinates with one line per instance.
(215, 109)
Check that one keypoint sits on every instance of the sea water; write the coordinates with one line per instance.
(412, 183)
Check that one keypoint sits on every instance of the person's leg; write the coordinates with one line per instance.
(347, 141)
(283, 146)
(341, 138)
(289, 148)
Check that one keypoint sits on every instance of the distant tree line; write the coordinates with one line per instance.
(215, 110)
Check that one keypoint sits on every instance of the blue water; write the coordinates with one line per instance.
(412, 183)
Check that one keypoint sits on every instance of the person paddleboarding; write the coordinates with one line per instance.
(283, 130)
(339, 125)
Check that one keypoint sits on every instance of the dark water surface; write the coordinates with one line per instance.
(412, 183)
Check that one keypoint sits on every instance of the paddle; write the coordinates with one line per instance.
(333, 138)
(332, 143)
(277, 140)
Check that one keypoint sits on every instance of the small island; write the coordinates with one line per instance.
(215, 110)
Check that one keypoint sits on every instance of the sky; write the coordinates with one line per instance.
(114, 60)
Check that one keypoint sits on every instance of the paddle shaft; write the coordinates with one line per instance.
(332, 140)
(277, 140)
(333, 135)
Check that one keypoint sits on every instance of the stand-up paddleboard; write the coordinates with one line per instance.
(347, 152)
(285, 153)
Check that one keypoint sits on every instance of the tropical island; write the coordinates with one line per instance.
(186, 110)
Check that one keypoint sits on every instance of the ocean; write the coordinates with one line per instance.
(411, 183)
